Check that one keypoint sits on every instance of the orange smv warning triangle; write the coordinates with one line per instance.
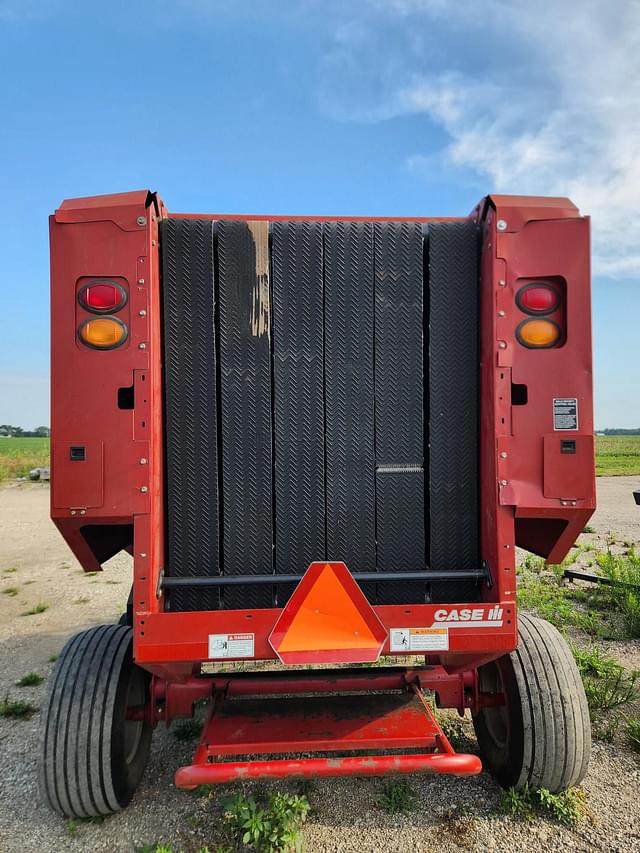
(328, 620)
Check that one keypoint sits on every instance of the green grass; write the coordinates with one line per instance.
(397, 796)
(31, 679)
(608, 688)
(10, 590)
(15, 708)
(610, 692)
(19, 455)
(164, 848)
(626, 569)
(569, 807)
(606, 612)
(268, 827)
(552, 601)
(39, 608)
(617, 455)
(592, 661)
(632, 730)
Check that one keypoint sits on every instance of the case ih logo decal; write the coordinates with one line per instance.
(469, 617)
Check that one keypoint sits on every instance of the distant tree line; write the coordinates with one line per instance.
(635, 431)
(19, 432)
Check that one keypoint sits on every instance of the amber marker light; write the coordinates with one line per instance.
(103, 333)
(538, 334)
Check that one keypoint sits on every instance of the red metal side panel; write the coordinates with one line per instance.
(559, 249)
(568, 471)
(121, 477)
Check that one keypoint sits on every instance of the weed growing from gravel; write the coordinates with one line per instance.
(10, 590)
(52, 659)
(632, 731)
(82, 601)
(568, 807)
(533, 564)
(611, 691)
(15, 709)
(71, 826)
(202, 791)
(39, 608)
(187, 729)
(397, 796)
(605, 728)
(9, 571)
(593, 661)
(588, 529)
(269, 828)
(31, 679)
(624, 568)
(163, 848)
(607, 687)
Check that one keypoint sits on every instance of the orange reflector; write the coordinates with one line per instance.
(538, 333)
(328, 620)
(103, 333)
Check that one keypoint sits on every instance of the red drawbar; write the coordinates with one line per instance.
(365, 765)
(384, 721)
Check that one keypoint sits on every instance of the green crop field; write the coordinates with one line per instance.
(617, 454)
(19, 455)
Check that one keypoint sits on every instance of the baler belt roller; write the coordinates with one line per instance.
(360, 577)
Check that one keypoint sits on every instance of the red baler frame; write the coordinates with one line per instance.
(529, 496)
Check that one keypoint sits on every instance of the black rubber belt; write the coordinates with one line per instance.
(245, 362)
(453, 404)
(349, 395)
(298, 373)
(190, 408)
(399, 428)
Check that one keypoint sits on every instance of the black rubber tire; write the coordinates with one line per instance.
(541, 737)
(127, 616)
(91, 758)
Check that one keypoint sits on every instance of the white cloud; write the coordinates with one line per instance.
(551, 104)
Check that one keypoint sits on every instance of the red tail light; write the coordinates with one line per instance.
(102, 296)
(538, 298)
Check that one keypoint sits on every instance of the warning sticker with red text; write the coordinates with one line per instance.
(231, 645)
(419, 639)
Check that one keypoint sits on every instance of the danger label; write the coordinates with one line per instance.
(565, 413)
(231, 645)
(419, 639)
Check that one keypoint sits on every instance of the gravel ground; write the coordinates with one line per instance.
(452, 814)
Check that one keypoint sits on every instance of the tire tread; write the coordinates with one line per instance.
(75, 768)
(547, 699)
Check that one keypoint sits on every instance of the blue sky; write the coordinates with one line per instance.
(371, 107)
